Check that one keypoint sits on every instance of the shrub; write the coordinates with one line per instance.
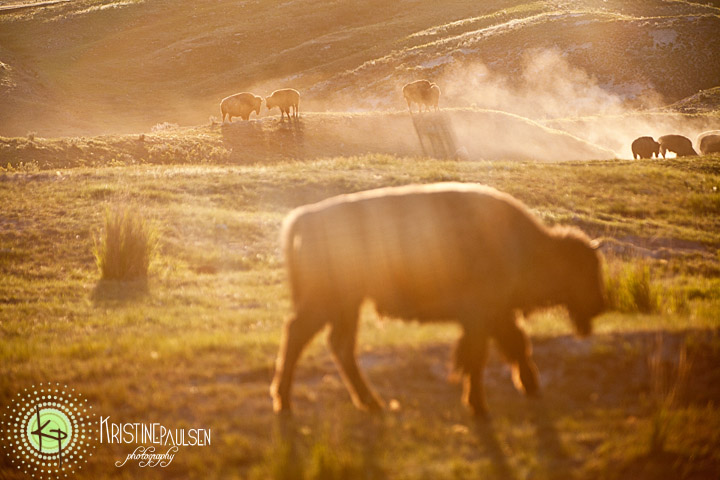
(126, 246)
(164, 126)
(630, 289)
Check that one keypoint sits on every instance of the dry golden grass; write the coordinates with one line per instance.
(195, 343)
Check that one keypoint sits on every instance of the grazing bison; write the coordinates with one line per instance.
(423, 93)
(442, 252)
(285, 99)
(682, 146)
(709, 142)
(645, 147)
(240, 105)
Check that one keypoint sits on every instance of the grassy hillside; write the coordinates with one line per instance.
(103, 66)
(194, 345)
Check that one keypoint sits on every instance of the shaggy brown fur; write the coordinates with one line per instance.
(645, 147)
(709, 142)
(423, 93)
(285, 99)
(240, 105)
(448, 251)
(682, 146)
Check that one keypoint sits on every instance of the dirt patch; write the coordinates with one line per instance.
(656, 248)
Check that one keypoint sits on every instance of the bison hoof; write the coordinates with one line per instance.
(372, 404)
(525, 378)
(477, 405)
(280, 405)
(480, 413)
(281, 408)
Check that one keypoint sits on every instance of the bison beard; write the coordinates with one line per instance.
(443, 252)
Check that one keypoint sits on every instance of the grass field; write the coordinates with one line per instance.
(194, 345)
(112, 106)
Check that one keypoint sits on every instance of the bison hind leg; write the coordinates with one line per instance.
(470, 359)
(525, 378)
(515, 345)
(299, 330)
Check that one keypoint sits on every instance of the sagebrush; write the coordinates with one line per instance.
(126, 246)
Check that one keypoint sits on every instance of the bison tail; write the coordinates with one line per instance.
(290, 242)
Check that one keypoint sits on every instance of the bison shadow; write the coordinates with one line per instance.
(263, 139)
(435, 134)
(606, 372)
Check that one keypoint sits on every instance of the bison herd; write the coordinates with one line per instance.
(243, 104)
(427, 95)
(647, 147)
(421, 92)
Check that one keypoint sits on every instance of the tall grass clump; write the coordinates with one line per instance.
(126, 246)
(630, 289)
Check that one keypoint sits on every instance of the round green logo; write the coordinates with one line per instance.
(49, 430)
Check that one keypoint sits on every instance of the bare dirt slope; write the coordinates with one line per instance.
(114, 66)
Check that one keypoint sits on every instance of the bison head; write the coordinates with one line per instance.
(257, 103)
(656, 149)
(584, 287)
(269, 102)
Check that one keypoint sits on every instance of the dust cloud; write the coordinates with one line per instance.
(548, 90)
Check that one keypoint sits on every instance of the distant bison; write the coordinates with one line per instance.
(645, 147)
(709, 142)
(447, 252)
(285, 99)
(423, 93)
(240, 105)
(682, 146)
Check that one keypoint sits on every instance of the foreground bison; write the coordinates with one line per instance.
(447, 252)
(423, 93)
(682, 146)
(709, 142)
(645, 147)
(286, 99)
(240, 105)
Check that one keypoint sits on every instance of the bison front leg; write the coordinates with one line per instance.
(470, 359)
(342, 339)
(299, 330)
(409, 104)
(515, 345)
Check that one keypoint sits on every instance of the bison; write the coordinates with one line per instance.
(442, 252)
(682, 146)
(240, 105)
(423, 93)
(645, 147)
(709, 142)
(285, 99)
